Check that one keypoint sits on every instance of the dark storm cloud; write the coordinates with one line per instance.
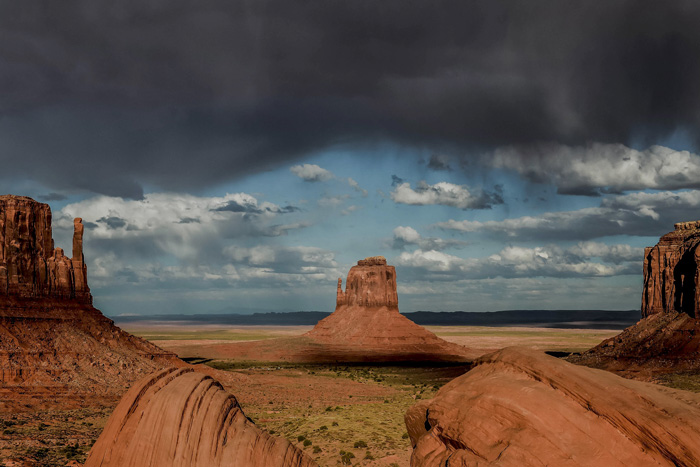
(233, 206)
(113, 222)
(106, 96)
(396, 180)
(439, 162)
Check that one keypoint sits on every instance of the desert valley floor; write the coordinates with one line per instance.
(336, 413)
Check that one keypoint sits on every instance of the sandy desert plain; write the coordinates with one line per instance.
(327, 410)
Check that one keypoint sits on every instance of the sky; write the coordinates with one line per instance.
(238, 156)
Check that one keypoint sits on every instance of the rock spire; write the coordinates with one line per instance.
(30, 266)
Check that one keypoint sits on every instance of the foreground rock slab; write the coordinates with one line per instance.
(181, 418)
(519, 407)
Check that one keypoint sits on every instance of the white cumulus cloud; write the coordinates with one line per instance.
(311, 173)
(444, 193)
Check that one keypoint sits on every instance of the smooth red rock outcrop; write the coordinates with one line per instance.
(180, 418)
(52, 339)
(671, 279)
(367, 324)
(520, 407)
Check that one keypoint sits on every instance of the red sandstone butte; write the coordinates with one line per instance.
(53, 342)
(671, 279)
(667, 339)
(180, 418)
(367, 323)
(520, 407)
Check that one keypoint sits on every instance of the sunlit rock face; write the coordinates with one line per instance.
(520, 407)
(671, 279)
(369, 284)
(181, 418)
(30, 266)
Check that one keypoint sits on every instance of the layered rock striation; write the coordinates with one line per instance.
(30, 266)
(181, 418)
(51, 337)
(671, 279)
(366, 323)
(520, 407)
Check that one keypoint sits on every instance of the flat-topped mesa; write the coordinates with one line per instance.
(30, 266)
(671, 279)
(372, 283)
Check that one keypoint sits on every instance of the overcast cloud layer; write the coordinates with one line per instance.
(182, 94)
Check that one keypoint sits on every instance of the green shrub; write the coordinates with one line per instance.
(307, 442)
(346, 458)
(360, 444)
(301, 438)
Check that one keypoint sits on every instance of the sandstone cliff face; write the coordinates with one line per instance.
(367, 325)
(30, 266)
(520, 407)
(180, 418)
(52, 340)
(671, 279)
(370, 283)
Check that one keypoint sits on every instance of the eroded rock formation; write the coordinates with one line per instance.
(50, 334)
(667, 339)
(30, 266)
(520, 407)
(181, 418)
(369, 284)
(671, 279)
(367, 324)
